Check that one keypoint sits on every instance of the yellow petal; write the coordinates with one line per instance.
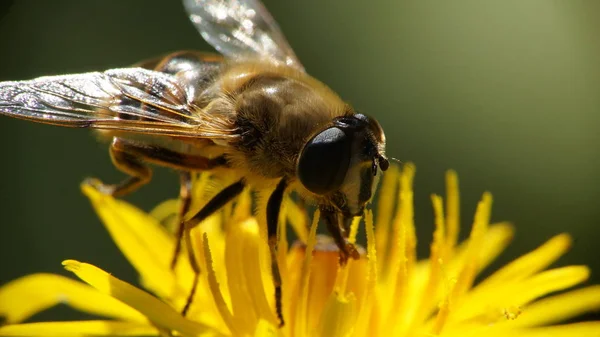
(165, 209)
(583, 329)
(243, 208)
(402, 255)
(341, 281)
(266, 329)
(587, 329)
(216, 292)
(364, 324)
(489, 306)
(452, 208)
(324, 274)
(560, 307)
(338, 317)
(548, 282)
(284, 271)
(254, 278)
(235, 254)
(426, 301)
(79, 328)
(141, 239)
(495, 240)
(442, 316)
(385, 209)
(26, 296)
(166, 214)
(532, 262)
(475, 245)
(390, 258)
(301, 318)
(157, 311)
(297, 218)
(246, 287)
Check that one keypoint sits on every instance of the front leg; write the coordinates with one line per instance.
(273, 208)
(338, 225)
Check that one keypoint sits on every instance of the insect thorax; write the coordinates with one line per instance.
(276, 115)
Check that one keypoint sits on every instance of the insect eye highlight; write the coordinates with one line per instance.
(324, 161)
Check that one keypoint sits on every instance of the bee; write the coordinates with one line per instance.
(252, 110)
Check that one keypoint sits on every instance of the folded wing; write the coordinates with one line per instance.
(130, 99)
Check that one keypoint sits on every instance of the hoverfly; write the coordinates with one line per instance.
(253, 111)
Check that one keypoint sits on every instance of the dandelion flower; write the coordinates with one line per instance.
(387, 292)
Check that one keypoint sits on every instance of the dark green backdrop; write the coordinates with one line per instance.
(504, 92)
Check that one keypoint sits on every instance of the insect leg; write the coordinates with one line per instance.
(175, 160)
(273, 208)
(337, 230)
(128, 163)
(185, 198)
(130, 157)
(218, 201)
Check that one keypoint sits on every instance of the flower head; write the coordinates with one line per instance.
(387, 292)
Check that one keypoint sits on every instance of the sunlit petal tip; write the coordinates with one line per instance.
(505, 230)
(565, 238)
(71, 265)
(91, 192)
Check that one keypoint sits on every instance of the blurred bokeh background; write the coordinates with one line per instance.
(504, 92)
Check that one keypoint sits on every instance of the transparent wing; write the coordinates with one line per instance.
(241, 28)
(129, 99)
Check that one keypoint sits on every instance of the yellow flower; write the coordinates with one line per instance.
(387, 292)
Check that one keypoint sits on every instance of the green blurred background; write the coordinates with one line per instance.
(504, 92)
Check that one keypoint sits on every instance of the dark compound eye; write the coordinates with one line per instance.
(324, 161)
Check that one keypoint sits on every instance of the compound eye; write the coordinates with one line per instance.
(324, 161)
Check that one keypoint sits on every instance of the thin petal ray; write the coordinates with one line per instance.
(452, 208)
(532, 262)
(301, 320)
(583, 329)
(560, 307)
(216, 291)
(338, 317)
(255, 283)
(547, 282)
(365, 324)
(26, 296)
(158, 312)
(515, 295)
(79, 329)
